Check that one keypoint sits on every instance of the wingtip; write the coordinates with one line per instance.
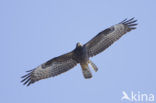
(128, 20)
(123, 21)
(26, 79)
(130, 23)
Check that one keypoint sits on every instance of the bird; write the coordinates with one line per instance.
(81, 54)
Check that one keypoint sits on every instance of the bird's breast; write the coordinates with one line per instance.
(81, 54)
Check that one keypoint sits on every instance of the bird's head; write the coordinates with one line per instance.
(78, 45)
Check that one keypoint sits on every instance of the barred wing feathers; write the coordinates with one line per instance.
(107, 37)
(51, 68)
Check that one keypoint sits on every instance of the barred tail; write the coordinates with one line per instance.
(86, 71)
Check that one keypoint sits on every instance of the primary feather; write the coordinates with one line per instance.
(51, 68)
(107, 37)
(80, 54)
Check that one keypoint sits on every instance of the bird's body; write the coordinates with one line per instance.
(81, 54)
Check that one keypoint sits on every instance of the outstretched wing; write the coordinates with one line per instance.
(107, 37)
(51, 68)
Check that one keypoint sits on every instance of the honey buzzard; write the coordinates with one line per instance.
(81, 54)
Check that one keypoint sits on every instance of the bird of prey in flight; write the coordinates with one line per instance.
(81, 54)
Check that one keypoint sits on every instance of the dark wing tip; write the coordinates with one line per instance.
(131, 23)
(26, 79)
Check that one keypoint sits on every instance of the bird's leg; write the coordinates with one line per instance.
(93, 65)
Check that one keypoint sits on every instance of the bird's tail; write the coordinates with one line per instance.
(86, 71)
(95, 68)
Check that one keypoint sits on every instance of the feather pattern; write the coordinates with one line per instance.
(51, 68)
(80, 54)
(107, 37)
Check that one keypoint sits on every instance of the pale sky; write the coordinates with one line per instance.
(34, 31)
